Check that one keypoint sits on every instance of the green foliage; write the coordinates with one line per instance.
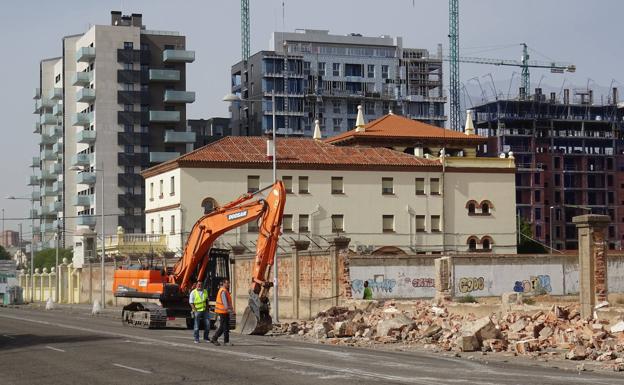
(47, 257)
(466, 299)
(527, 245)
(4, 255)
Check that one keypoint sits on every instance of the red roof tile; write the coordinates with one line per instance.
(396, 126)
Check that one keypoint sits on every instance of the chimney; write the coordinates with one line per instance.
(317, 130)
(566, 96)
(359, 122)
(137, 20)
(469, 128)
(115, 18)
(615, 96)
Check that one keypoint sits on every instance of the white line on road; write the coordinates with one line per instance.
(135, 369)
(8, 336)
(55, 349)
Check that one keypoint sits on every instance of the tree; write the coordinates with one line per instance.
(527, 244)
(4, 255)
(47, 257)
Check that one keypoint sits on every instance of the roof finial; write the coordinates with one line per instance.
(390, 112)
(317, 130)
(359, 122)
(469, 128)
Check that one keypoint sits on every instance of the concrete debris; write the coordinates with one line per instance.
(97, 308)
(559, 331)
(49, 304)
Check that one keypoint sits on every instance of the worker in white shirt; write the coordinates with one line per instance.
(198, 299)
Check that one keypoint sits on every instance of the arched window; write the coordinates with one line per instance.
(472, 243)
(209, 204)
(486, 207)
(487, 242)
(471, 205)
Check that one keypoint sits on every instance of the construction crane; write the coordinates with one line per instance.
(453, 58)
(245, 44)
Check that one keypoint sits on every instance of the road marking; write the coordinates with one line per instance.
(135, 369)
(8, 336)
(273, 359)
(55, 349)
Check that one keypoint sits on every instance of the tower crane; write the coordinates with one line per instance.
(245, 44)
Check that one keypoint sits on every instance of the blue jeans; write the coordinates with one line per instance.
(199, 315)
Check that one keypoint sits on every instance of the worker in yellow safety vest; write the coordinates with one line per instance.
(224, 308)
(198, 299)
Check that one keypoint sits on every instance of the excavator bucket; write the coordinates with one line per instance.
(256, 319)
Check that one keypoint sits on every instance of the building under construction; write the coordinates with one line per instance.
(569, 158)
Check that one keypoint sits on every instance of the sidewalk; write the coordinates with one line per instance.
(112, 312)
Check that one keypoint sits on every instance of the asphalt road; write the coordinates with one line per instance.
(56, 347)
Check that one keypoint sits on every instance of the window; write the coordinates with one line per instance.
(303, 223)
(387, 223)
(435, 223)
(129, 149)
(387, 186)
(152, 226)
(161, 184)
(538, 214)
(485, 208)
(336, 69)
(303, 185)
(172, 186)
(337, 106)
(172, 229)
(287, 223)
(420, 186)
(486, 244)
(384, 72)
(208, 204)
(371, 71)
(253, 183)
(538, 196)
(472, 244)
(557, 162)
(538, 231)
(337, 223)
(337, 186)
(128, 128)
(321, 68)
(420, 223)
(369, 108)
(557, 180)
(162, 225)
(128, 45)
(337, 124)
(128, 107)
(252, 227)
(306, 68)
(287, 180)
(151, 191)
(471, 208)
(434, 186)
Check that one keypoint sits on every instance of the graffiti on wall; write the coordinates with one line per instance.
(470, 284)
(535, 284)
(377, 284)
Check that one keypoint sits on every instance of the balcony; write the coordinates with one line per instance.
(48, 228)
(48, 192)
(58, 148)
(85, 95)
(129, 180)
(33, 213)
(47, 175)
(131, 117)
(47, 155)
(85, 220)
(49, 119)
(178, 56)
(55, 207)
(85, 178)
(132, 159)
(179, 137)
(57, 110)
(56, 94)
(172, 96)
(132, 138)
(132, 97)
(164, 75)
(44, 103)
(33, 180)
(82, 200)
(35, 196)
(57, 188)
(36, 162)
(82, 119)
(85, 54)
(159, 157)
(45, 139)
(55, 169)
(81, 160)
(52, 131)
(44, 211)
(131, 200)
(37, 128)
(37, 94)
(164, 116)
(128, 76)
(82, 79)
(85, 136)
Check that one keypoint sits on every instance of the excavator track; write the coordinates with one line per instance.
(144, 315)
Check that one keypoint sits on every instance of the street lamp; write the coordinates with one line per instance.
(32, 243)
(231, 98)
(102, 272)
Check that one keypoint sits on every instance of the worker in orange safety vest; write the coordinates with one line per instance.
(224, 309)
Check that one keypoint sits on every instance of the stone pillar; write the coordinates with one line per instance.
(335, 246)
(70, 283)
(296, 247)
(592, 260)
(443, 278)
(54, 278)
(62, 275)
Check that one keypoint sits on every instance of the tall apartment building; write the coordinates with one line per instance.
(569, 157)
(113, 104)
(315, 75)
(208, 130)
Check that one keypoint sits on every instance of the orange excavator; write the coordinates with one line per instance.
(172, 286)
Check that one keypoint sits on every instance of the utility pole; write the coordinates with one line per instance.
(275, 282)
(56, 290)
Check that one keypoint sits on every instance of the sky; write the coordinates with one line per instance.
(576, 31)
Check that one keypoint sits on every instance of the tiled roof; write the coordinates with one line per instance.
(300, 153)
(396, 126)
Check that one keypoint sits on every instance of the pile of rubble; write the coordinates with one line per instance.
(560, 331)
